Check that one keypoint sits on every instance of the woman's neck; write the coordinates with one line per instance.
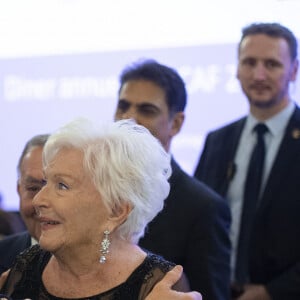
(83, 275)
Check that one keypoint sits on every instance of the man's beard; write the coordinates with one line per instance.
(263, 104)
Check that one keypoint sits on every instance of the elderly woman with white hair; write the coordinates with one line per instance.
(102, 186)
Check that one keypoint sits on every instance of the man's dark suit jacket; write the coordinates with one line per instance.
(192, 230)
(275, 244)
(11, 246)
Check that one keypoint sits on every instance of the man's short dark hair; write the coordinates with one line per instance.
(275, 30)
(165, 77)
(37, 140)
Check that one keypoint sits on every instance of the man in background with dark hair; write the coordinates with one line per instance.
(192, 229)
(265, 217)
(30, 181)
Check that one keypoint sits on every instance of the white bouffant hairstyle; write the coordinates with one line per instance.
(126, 163)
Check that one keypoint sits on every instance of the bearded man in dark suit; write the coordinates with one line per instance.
(267, 55)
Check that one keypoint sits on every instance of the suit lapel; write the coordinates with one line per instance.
(287, 152)
(229, 149)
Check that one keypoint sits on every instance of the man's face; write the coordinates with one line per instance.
(29, 184)
(265, 70)
(145, 102)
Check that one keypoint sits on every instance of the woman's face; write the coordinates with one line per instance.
(70, 208)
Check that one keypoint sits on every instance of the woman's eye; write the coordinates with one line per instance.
(62, 186)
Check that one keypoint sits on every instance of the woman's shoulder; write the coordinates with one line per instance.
(152, 270)
(29, 257)
(159, 267)
(31, 252)
(154, 261)
(26, 272)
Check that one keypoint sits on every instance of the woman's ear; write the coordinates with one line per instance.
(119, 214)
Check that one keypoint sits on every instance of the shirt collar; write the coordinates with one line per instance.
(276, 124)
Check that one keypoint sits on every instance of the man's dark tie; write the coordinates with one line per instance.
(251, 196)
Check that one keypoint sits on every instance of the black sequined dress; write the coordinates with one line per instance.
(25, 278)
